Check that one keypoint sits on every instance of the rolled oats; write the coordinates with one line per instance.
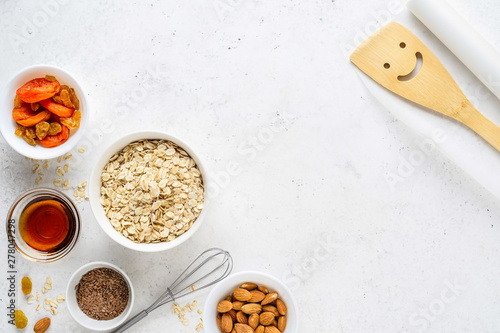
(151, 191)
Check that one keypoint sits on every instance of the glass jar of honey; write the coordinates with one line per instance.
(44, 224)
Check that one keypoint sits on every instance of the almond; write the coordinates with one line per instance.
(271, 329)
(271, 308)
(224, 306)
(266, 318)
(242, 328)
(218, 321)
(237, 305)
(282, 323)
(271, 297)
(259, 329)
(232, 313)
(264, 289)
(42, 325)
(241, 317)
(253, 320)
(249, 286)
(226, 323)
(257, 296)
(281, 306)
(241, 294)
(251, 308)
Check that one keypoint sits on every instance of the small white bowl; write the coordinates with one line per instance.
(8, 125)
(227, 286)
(82, 318)
(95, 193)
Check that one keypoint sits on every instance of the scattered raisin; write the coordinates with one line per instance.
(20, 319)
(26, 285)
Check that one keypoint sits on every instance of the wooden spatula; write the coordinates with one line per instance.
(392, 57)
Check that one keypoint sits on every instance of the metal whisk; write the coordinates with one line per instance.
(210, 267)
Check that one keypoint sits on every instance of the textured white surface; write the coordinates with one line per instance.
(299, 149)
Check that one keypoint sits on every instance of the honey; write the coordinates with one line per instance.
(47, 225)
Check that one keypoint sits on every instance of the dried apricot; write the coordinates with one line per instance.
(51, 141)
(42, 129)
(56, 108)
(38, 89)
(25, 117)
(54, 129)
(26, 285)
(73, 122)
(20, 319)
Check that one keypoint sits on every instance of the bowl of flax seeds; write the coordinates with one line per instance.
(100, 296)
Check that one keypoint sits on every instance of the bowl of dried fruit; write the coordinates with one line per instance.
(147, 191)
(44, 112)
(100, 296)
(251, 302)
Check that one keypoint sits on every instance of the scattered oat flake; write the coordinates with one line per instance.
(60, 172)
(81, 150)
(38, 180)
(60, 298)
(66, 167)
(38, 307)
(193, 288)
(49, 280)
(30, 299)
(46, 165)
(59, 159)
(68, 156)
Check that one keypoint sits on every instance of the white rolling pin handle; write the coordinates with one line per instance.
(460, 37)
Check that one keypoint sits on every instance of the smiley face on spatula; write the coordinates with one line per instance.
(395, 58)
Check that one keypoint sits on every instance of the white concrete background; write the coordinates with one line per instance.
(263, 89)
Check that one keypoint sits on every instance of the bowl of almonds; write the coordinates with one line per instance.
(147, 191)
(251, 302)
(44, 111)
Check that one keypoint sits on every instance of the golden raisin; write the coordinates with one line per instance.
(18, 102)
(72, 122)
(29, 140)
(42, 128)
(65, 98)
(57, 99)
(30, 132)
(26, 285)
(54, 129)
(74, 99)
(19, 131)
(50, 78)
(20, 319)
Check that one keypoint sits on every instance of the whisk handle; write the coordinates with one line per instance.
(131, 322)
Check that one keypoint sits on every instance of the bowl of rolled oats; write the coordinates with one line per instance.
(147, 191)
(45, 112)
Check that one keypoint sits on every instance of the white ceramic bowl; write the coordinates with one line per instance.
(82, 318)
(95, 188)
(8, 125)
(226, 287)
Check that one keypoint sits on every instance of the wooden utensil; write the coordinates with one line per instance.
(395, 58)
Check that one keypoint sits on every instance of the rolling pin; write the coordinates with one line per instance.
(461, 38)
